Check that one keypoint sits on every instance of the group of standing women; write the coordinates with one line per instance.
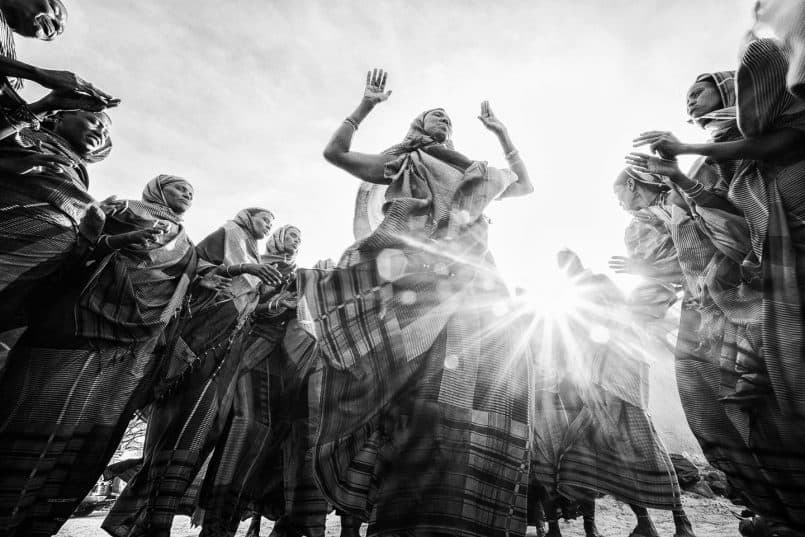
(733, 229)
(389, 385)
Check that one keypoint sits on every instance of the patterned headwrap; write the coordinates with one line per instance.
(634, 176)
(417, 137)
(103, 151)
(153, 193)
(94, 156)
(245, 219)
(723, 121)
(275, 246)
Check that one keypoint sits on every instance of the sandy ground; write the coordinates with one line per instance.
(711, 518)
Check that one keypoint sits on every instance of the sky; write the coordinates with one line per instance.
(240, 97)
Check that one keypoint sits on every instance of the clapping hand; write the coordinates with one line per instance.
(375, 91)
(663, 143)
(628, 265)
(70, 82)
(65, 100)
(648, 164)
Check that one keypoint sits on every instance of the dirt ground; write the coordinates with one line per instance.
(711, 518)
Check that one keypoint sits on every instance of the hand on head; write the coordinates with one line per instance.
(70, 83)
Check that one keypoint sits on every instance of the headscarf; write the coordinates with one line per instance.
(154, 194)
(417, 138)
(245, 220)
(100, 153)
(275, 246)
(631, 174)
(723, 121)
(92, 157)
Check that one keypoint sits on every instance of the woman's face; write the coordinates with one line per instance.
(703, 98)
(178, 196)
(85, 131)
(629, 193)
(292, 241)
(437, 125)
(262, 224)
(42, 19)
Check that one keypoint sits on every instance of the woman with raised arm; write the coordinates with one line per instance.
(422, 418)
(87, 361)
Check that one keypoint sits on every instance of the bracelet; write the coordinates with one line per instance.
(20, 117)
(226, 271)
(512, 156)
(352, 123)
(104, 241)
(695, 190)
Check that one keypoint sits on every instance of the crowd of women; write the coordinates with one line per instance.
(402, 386)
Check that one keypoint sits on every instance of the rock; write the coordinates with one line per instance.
(702, 489)
(686, 471)
(717, 481)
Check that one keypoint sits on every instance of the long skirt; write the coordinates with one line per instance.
(35, 245)
(64, 406)
(578, 457)
(430, 444)
(183, 427)
(262, 462)
(758, 448)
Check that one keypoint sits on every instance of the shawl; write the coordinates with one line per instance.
(41, 169)
(764, 106)
(134, 292)
(234, 244)
(370, 199)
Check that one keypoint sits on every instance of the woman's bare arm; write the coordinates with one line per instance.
(770, 146)
(523, 185)
(337, 152)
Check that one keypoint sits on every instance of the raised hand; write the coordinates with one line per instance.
(490, 120)
(375, 91)
(663, 143)
(660, 166)
(628, 265)
(70, 82)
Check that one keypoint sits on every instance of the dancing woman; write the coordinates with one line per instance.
(762, 444)
(422, 418)
(48, 220)
(259, 462)
(193, 390)
(86, 362)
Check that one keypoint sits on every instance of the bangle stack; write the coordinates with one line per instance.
(693, 191)
(352, 123)
(19, 117)
(512, 156)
